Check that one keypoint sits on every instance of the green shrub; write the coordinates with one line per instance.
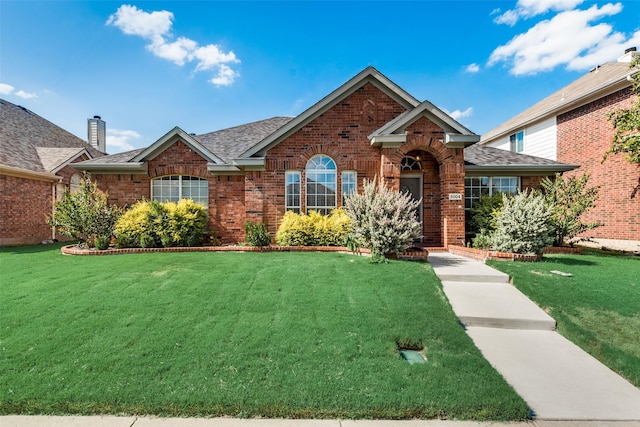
(257, 234)
(85, 215)
(484, 239)
(484, 213)
(313, 229)
(524, 225)
(384, 220)
(150, 224)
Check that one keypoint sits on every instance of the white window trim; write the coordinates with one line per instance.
(355, 182)
(490, 185)
(335, 185)
(159, 178)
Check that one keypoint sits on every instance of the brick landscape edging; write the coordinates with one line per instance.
(482, 255)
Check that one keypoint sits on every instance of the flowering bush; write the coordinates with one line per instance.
(524, 224)
(384, 221)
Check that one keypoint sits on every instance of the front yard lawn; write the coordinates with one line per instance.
(294, 335)
(598, 308)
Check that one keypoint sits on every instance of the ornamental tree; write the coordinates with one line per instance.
(384, 220)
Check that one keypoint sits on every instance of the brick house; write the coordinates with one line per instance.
(571, 126)
(367, 127)
(35, 155)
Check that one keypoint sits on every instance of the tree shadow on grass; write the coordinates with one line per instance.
(569, 261)
(33, 249)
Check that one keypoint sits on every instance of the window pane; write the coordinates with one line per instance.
(321, 184)
(292, 191)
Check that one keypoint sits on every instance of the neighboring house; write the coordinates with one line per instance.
(368, 127)
(571, 126)
(35, 156)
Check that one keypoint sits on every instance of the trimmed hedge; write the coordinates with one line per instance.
(314, 229)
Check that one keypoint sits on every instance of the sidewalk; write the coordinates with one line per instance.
(556, 378)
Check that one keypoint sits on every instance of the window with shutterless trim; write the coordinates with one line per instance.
(349, 183)
(321, 184)
(292, 191)
(174, 188)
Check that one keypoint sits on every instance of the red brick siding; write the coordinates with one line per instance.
(584, 135)
(530, 182)
(24, 207)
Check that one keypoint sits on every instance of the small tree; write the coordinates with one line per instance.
(568, 201)
(383, 220)
(626, 123)
(85, 215)
(524, 225)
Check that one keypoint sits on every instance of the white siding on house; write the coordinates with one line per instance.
(540, 139)
(501, 143)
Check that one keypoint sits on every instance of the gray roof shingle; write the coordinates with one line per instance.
(23, 133)
(488, 157)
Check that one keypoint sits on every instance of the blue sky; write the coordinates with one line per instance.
(148, 66)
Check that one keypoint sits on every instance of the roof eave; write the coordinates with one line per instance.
(71, 159)
(519, 170)
(111, 168)
(388, 141)
(28, 174)
(455, 140)
(169, 138)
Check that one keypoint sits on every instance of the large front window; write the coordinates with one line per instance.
(474, 187)
(176, 187)
(321, 184)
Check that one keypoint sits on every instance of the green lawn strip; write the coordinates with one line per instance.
(598, 308)
(296, 335)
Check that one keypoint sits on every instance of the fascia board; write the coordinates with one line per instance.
(112, 168)
(250, 161)
(214, 167)
(454, 140)
(368, 75)
(25, 173)
(389, 141)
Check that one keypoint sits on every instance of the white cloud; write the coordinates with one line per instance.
(7, 89)
(554, 42)
(529, 8)
(457, 114)
(472, 68)
(225, 76)
(119, 140)
(26, 95)
(156, 26)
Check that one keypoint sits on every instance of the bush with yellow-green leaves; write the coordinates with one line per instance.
(314, 229)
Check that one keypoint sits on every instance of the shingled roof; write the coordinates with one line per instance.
(483, 159)
(32, 143)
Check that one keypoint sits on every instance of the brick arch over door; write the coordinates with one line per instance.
(443, 219)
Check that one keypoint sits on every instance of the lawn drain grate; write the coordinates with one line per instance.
(413, 356)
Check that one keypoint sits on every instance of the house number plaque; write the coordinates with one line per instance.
(455, 196)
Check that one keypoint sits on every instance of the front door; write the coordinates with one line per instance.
(412, 184)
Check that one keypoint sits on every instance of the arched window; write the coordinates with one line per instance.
(321, 184)
(410, 164)
(173, 188)
(75, 182)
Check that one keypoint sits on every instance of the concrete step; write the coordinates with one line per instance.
(557, 379)
(497, 305)
(455, 268)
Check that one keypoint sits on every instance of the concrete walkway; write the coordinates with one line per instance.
(557, 379)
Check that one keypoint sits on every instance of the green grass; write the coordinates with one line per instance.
(598, 308)
(296, 335)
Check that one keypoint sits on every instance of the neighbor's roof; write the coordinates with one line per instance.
(32, 143)
(600, 81)
(483, 159)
